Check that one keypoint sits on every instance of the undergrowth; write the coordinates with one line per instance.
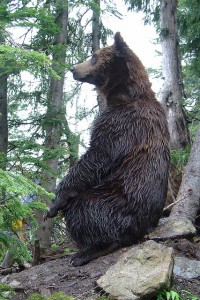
(173, 295)
(55, 296)
(179, 157)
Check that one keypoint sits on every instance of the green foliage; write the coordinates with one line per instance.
(3, 159)
(168, 295)
(189, 28)
(54, 246)
(6, 292)
(36, 296)
(56, 296)
(60, 296)
(179, 157)
(14, 189)
(188, 295)
(68, 250)
(189, 31)
(17, 185)
(14, 60)
(189, 34)
(173, 295)
(152, 12)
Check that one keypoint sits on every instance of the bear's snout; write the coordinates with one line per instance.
(74, 72)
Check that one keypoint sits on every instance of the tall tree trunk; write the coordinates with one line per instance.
(54, 117)
(96, 34)
(188, 198)
(185, 209)
(172, 92)
(96, 37)
(8, 260)
(3, 112)
(3, 120)
(73, 141)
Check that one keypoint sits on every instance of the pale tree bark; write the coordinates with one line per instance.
(96, 34)
(181, 221)
(172, 91)
(188, 198)
(73, 141)
(96, 37)
(54, 118)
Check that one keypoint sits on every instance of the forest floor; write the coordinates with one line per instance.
(55, 274)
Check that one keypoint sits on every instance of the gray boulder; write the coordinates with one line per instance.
(186, 268)
(140, 273)
(173, 227)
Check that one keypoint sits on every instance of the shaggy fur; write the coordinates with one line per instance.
(116, 192)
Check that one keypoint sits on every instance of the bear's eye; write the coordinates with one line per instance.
(93, 60)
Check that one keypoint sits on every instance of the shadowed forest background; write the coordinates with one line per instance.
(40, 107)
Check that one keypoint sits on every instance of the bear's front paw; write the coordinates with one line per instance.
(51, 213)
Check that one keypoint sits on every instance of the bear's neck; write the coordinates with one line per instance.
(123, 93)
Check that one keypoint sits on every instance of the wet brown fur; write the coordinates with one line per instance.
(116, 192)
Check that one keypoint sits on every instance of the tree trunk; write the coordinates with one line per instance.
(172, 91)
(188, 199)
(73, 141)
(3, 113)
(54, 118)
(8, 260)
(3, 121)
(180, 222)
(96, 34)
(96, 37)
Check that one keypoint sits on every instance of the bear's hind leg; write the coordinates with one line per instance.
(85, 256)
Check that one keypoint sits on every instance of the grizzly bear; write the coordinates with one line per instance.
(116, 191)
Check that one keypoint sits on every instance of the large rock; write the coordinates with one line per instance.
(186, 268)
(173, 227)
(139, 273)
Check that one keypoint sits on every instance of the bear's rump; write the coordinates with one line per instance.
(106, 216)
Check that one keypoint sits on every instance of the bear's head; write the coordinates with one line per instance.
(104, 64)
(113, 67)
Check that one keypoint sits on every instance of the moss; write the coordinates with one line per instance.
(36, 296)
(56, 296)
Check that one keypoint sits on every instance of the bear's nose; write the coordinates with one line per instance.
(72, 69)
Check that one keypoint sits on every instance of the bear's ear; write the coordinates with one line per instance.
(120, 45)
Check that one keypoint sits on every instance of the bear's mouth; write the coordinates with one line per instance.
(77, 76)
(82, 77)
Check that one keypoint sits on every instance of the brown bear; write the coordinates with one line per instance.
(116, 192)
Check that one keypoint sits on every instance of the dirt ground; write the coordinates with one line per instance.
(54, 273)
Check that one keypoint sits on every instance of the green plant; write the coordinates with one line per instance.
(36, 296)
(14, 189)
(189, 295)
(54, 246)
(6, 292)
(179, 157)
(173, 295)
(60, 296)
(68, 250)
(168, 295)
(56, 296)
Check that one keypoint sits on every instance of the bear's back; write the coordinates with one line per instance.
(136, 139)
